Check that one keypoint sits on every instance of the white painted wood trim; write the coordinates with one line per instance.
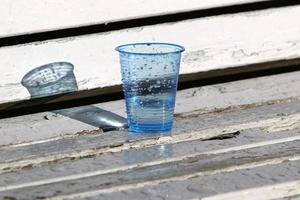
(212, 43)
(30, 16)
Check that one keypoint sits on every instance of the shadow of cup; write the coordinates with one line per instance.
(50, 79)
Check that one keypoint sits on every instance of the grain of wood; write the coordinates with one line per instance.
(23, 18)
(13, 158)
(147, 163)
(181, 170)
(133, 158)
(209, 50)
(207, 185)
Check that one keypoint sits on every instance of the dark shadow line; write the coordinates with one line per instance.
(16, 110)
(131, 23)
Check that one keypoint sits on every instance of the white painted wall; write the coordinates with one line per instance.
(211, 43)
(28, 16)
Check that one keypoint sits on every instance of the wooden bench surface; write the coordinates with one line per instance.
(230, 141)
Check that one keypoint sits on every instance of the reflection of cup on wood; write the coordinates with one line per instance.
(50, 79)
(158, 152)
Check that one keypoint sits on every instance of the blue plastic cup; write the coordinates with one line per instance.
(150, 76)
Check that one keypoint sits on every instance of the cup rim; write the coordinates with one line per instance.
(179, 50)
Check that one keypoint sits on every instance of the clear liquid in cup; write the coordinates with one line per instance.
(150, 104)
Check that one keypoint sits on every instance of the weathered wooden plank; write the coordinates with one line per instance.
(190, 130)
(111, 192)
(208, 50)
(268, 118)
(24, 18)
(132, 158)
(195, 100)
(183, 169)
(284, 177)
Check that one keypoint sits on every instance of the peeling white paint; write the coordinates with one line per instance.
(29, 16)
(211, 43)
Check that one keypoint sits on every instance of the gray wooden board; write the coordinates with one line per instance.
(191, 166)
(136, 157)
(125, 158)
(199, 100)
(209, 185)
(65, 148)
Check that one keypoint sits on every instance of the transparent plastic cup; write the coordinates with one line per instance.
(50, 79)
(150, 76)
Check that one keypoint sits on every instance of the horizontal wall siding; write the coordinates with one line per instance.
(30, 16)
(212, 43)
